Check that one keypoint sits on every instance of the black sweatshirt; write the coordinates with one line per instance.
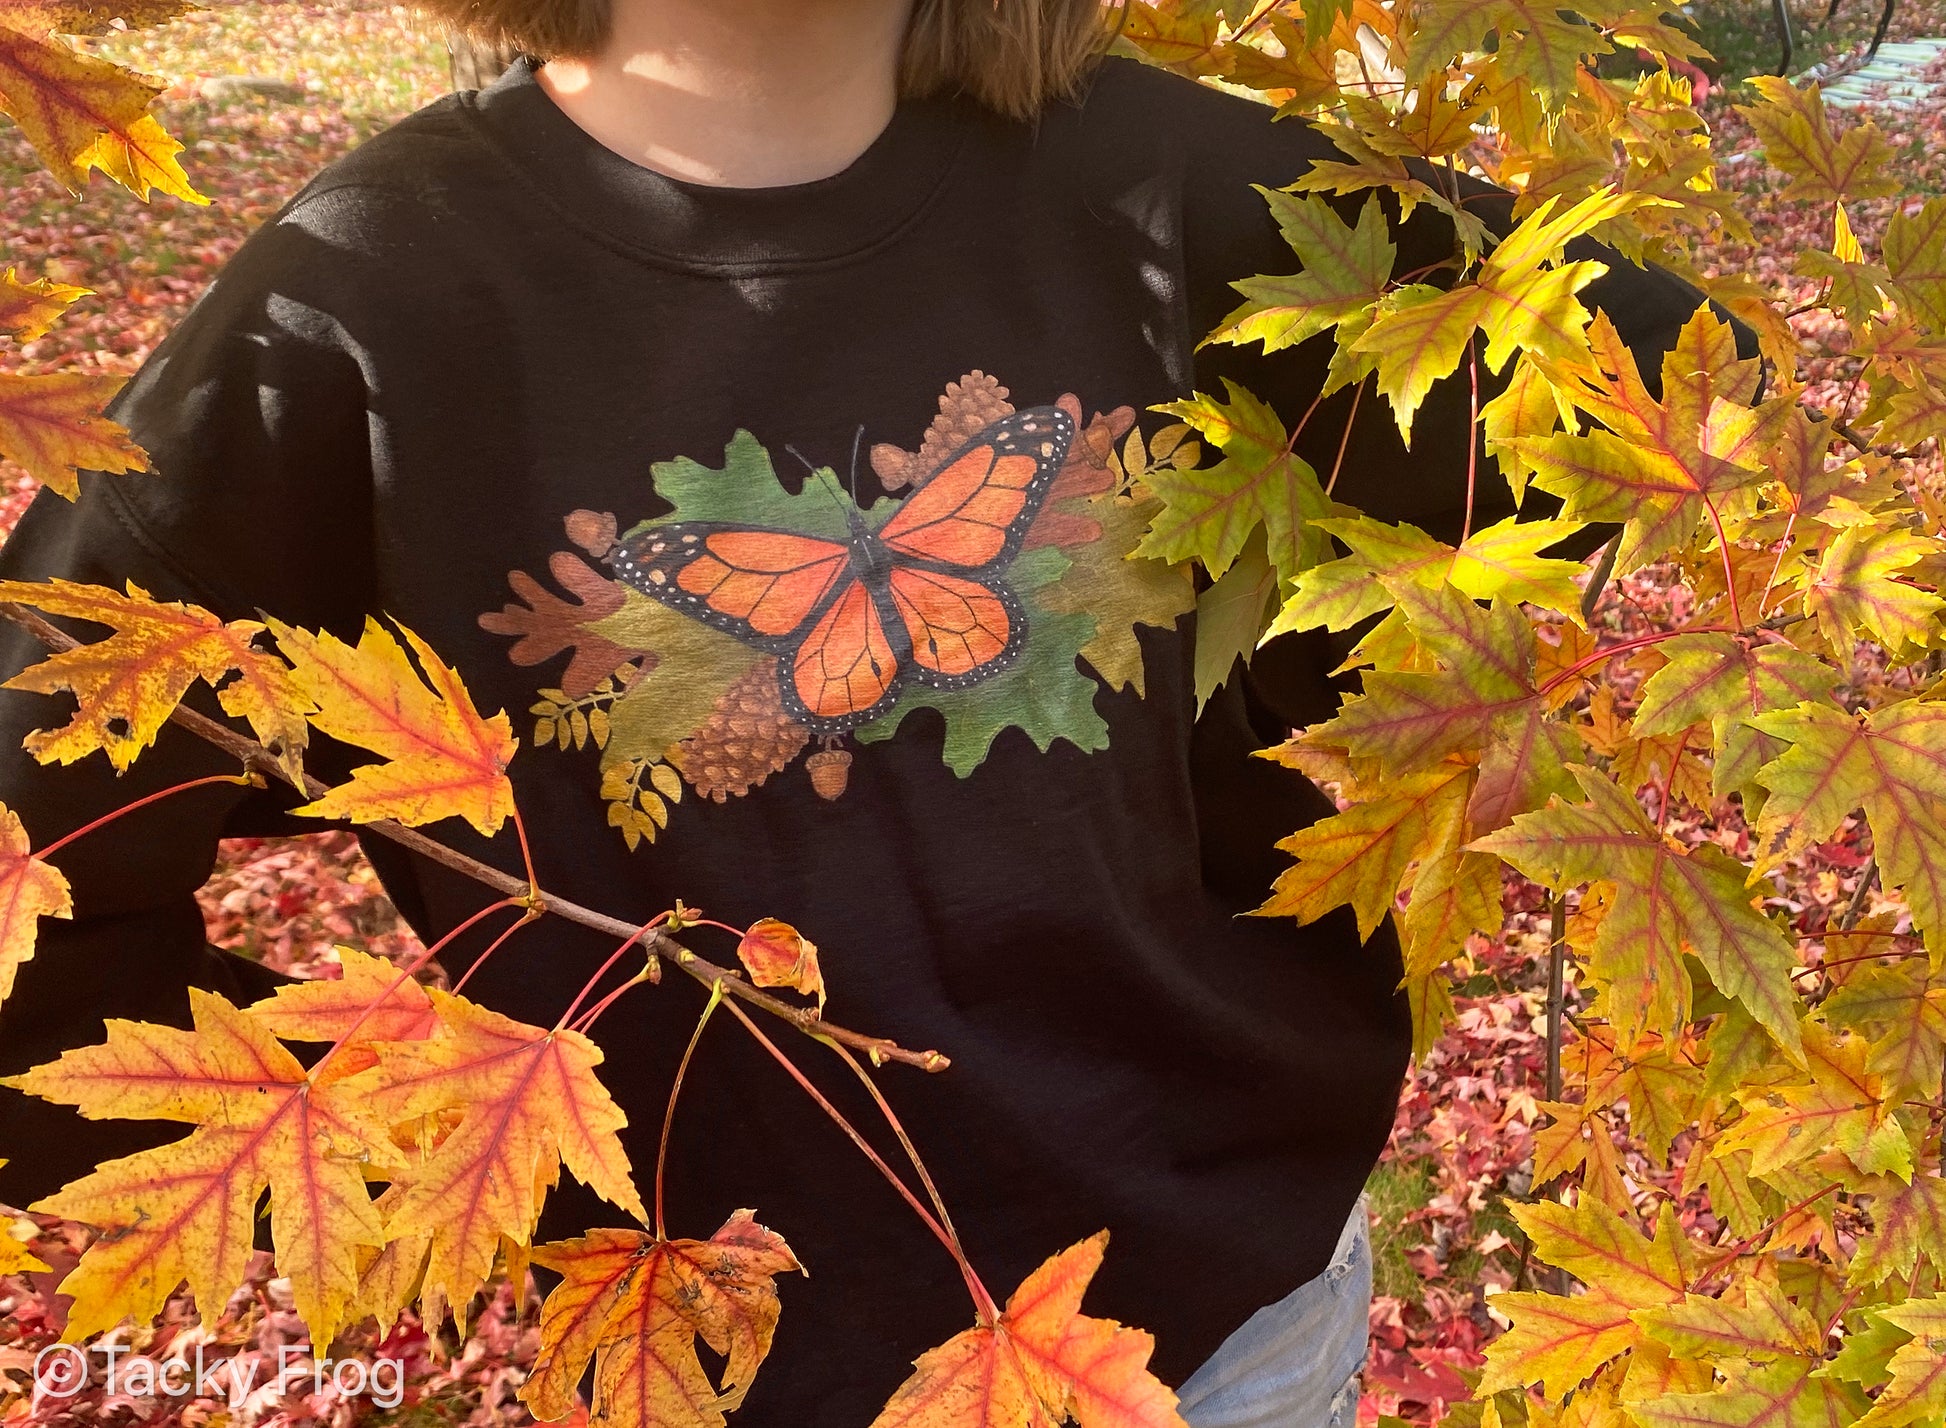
(488, 377)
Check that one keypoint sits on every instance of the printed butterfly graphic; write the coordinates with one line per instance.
(921, 598)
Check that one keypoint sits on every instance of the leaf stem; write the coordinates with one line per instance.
(528, 915)
(405, 975)
(1736, 1250)
(1608, 652)
(1472, 426)
(675, 1090)
(602, 971)
(85, 829)
(1344, 442)
(982, 1301)
(898, 1129)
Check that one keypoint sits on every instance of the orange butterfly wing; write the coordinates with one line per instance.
(762, 586)
(975, 511)
(846, 666)
(958, 627)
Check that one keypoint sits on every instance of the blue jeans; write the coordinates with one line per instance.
(1295, 1363)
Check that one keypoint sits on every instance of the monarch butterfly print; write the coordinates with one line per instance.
(921, 599)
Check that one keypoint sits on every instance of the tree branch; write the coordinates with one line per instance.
(259, 760)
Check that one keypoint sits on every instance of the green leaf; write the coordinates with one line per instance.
(1345, 271)
(1208, 514)
(1121, 591)
(1230, 617)
(746, 491)
(1042, 693)
(1668, 903)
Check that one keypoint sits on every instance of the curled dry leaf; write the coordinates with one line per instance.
(778, 955)
(27, 310)
(636, 1305)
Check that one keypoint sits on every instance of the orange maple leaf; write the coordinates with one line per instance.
(446, 760)
(63, 101)
(1040, 1363)
(52, 424)
(127, 684)
(636, 1305)
(184, 1211)
(29, 891)
(528, 1102)
(369, 1003)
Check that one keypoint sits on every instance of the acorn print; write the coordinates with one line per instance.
(830, 771)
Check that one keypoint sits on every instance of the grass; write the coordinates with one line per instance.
(1742, 34)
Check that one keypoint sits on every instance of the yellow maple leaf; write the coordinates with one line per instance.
(127, 684)
(29, 891)
(51, 423)
(1534, 40)
(445, 759)
(1658, 467)
(1824, 167)
(27, 310)
(1890, 761)
(636, 1305)
(63, 101)
(1856, 590)
(1843, 1107)
(1556, 1340)
(1522, 297)
(141, 157)
(184, 1211)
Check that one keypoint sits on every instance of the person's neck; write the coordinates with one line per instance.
(738, 93)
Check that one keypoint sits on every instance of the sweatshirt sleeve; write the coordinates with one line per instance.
(1230, 234)
(253, 415)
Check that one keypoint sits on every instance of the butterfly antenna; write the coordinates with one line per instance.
(857, 440)
(825, 484)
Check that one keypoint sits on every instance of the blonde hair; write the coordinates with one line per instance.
(1011, 55)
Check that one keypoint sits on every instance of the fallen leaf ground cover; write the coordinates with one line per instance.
(1464, 1140)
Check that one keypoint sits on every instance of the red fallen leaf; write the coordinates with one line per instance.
(1040, 1363)
(778, 955)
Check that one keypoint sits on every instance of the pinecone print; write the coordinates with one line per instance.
(747, 737)
(969, 406)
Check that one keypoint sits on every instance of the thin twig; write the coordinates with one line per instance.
(1848, 919)
(669, 1115)
(256, 758)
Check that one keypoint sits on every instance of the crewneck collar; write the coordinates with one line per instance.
(732, 230)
